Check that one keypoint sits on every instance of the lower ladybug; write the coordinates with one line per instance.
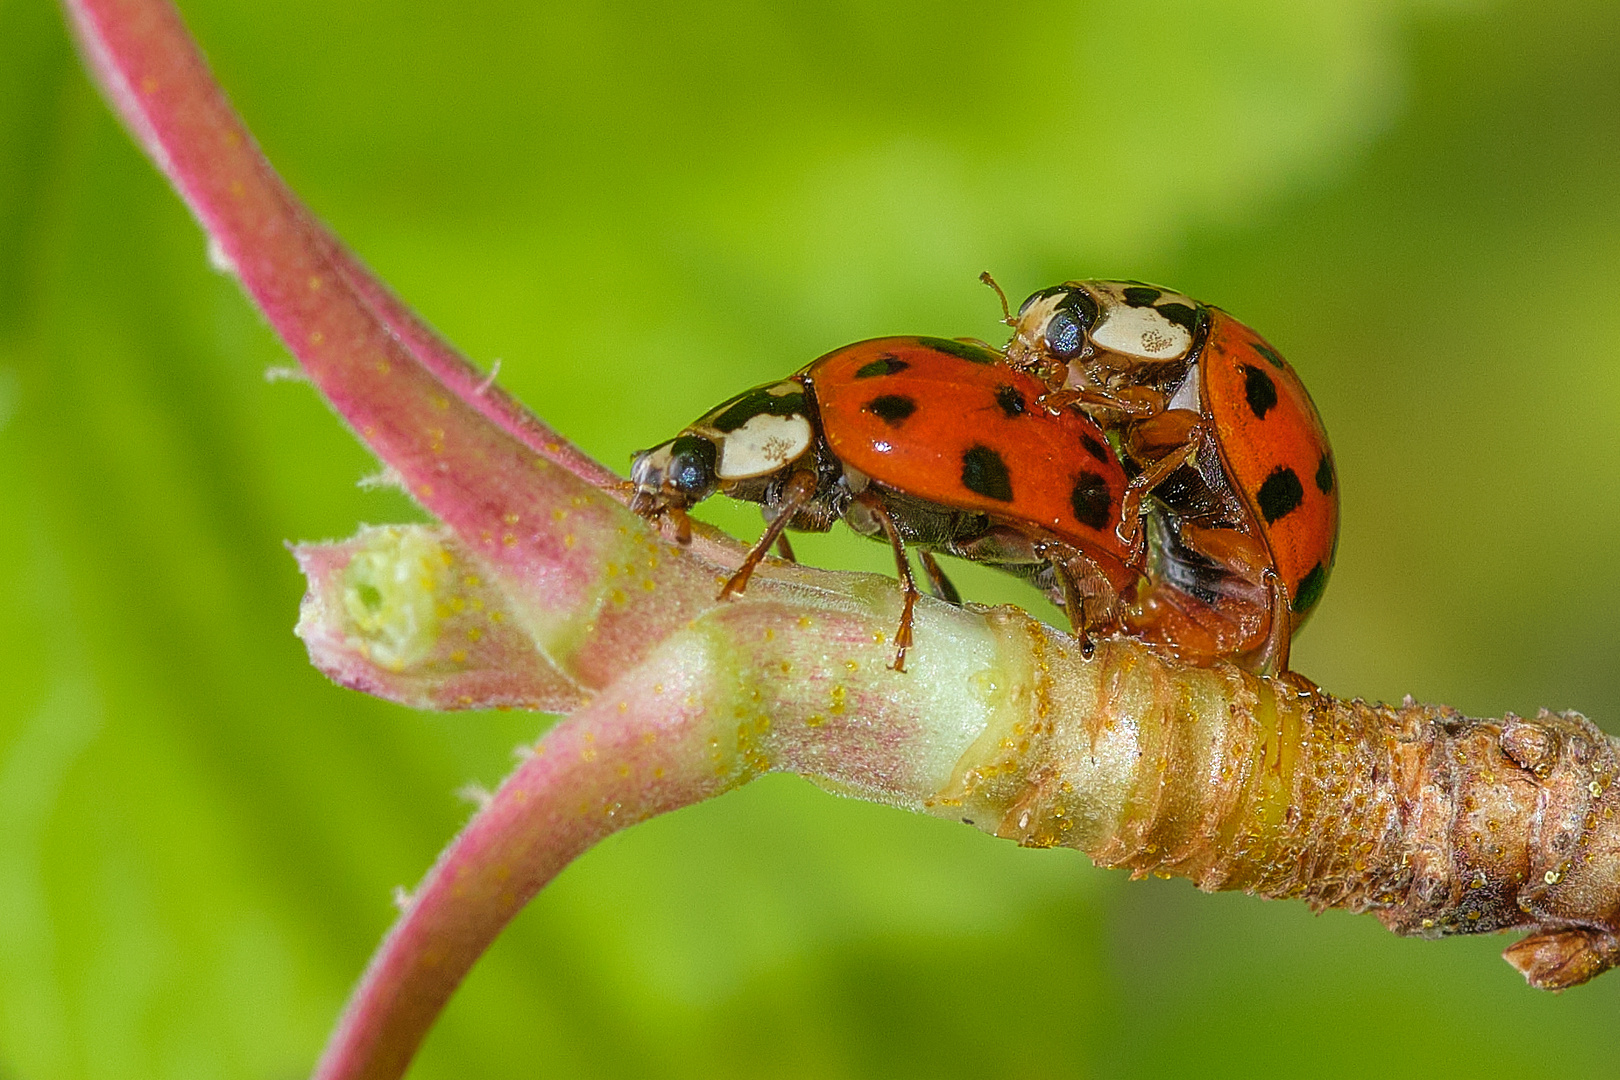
(921, 441)
(1222, 441)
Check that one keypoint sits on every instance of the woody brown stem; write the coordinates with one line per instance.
(1437, 823)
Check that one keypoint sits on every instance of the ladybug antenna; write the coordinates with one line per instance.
(1006, 312)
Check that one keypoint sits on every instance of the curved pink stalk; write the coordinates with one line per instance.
(598, 772)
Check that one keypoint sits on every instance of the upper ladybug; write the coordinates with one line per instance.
(1221, 437)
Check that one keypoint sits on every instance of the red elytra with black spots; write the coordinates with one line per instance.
(1275, 449)
(945, 422)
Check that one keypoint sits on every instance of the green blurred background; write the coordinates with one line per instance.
(640, 208)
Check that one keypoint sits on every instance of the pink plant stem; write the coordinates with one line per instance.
(470, 472)
(602, 770)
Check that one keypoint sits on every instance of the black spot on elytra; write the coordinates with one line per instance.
(1092, 502)
(1280, 495)
(1324, 475)
(887, 364)
(1180, 314)
(1260, 390)
(1095, 447)
(1142, 295)
(751, 403)
(1011, 401)
(962, 350)
(892, 409)
(984, 473)
(1310, 590)
(1271, 355)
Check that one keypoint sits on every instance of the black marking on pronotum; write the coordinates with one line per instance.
(756, 402)
(1082, 306)
(1260, 390)
(1092, 501)
(1011, 401)
(962, 350)
(1324, 475)
(1310, 590)
(1182, 315)
(892, 409)
(1270, 354)
(984, 473)
(887, 364)
(1280, 495)
(1095, 447)
(1142, 295)
(1050, 290)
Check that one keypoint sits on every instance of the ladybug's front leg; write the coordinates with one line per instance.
(1127, 403)
(797, 492)
(1163, 444)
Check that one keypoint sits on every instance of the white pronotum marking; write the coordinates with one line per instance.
(763, 445)
(1141, 332)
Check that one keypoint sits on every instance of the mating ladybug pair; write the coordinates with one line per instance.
(1148, 462)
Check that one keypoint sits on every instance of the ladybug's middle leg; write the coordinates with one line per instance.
(938, 583)
(870, 502)
(1256, 601)
(1272, 657)
(796, 493)
(1089, 598)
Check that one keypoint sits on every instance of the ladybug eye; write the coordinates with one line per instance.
(691, 467)
(1064, 335)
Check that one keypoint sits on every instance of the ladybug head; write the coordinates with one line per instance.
(1105, 327)
(677, 473)
(1053, 328)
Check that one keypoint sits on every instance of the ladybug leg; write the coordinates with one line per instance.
(799, 490)
(938, 583)
(1075, 606)
(1089, 598)
(1272, 657)
(683, 524)
(902, 565)
(1128, 403)
(1167, 442)
(649, 507)
(785, 549)
(1256, 608)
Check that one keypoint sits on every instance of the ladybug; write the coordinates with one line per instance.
(922, 441)
(1232, 475)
